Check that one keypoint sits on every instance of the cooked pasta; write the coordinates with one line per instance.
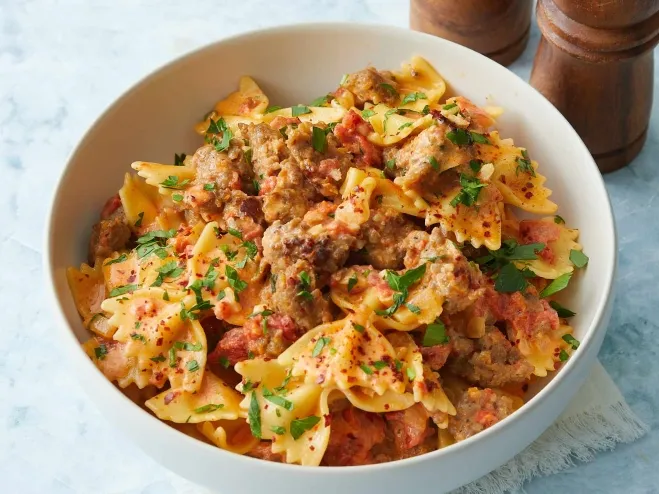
(339, 283)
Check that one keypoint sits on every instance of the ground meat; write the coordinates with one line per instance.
(268, 148)
(495, 362)
(263, 451)
(251, 339)
(308, 311)
(448, 270)
(382, 235)
(353, 435)
(324, 248)
(326, 170)
(435, 356)
(418, 162)
(410, 427)
(352, 132)
(479, 119)
(111, 234)
(245, 214)
(532, 231)
(374, 86)
(288, 195)
(477, 410)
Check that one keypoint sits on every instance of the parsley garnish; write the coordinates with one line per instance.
(426, 110)
(230, 254)
(270, 109)
(172, 357)
(168, 270)
(524, 164)
(165, 296)
(300, 426)
(234, 280)
(510, 251)
(413, 308)
(578, 258)
(366, 369)
(305, 286)
(221, 295)
(479, 138)
(298, 110)
(153, 243)
(100, 352)
(193, 312)
(120, 290)
(380, 364)
(400, 284)
(389, 88)
(475, 165)
(406, 124)
(248, 156)
(367, 113)
(468, 195)
(192, 366)
(139, 337)
(211, 407)
(398, 364)
(352, 281)
(319, 139)
(358, 327)
(433, 162)
(140, 217)
(121, 258)
(320, 101)
(320, 344)
(158, 359)
(571, 340)
(209, 186)
(435, 334)
(278, 429)
(510, 279)
(254, 416)
(559, 220)
(563, 356)
(171, 182)
(236, 233)
(179, 159)
(412, 97)
(248, 386)
(224, 362)
(450, 106)
(411, 373)
(219, 127)
(459, 137)
(177, 197)
(560, 310)
(277, 400)
(556, 285)
(391, 164)
(257, 186)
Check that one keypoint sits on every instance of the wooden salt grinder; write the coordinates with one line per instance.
(498, 29)
(595, 64)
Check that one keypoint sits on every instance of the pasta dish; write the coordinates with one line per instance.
(359, 279)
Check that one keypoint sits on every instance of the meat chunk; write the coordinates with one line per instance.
(287, 196)
(495, 362)
(257, 338)
(477, 410)
(448, 271)
(382, 235)
(352, 132)
(418, 163)
(245, 214)
(111, 234)
(410, 427)
(303, 303)
(263, 451)
(435, 356)
(324, 169)
(324, 247)
(371, 85)
(268, 148)
(353, 435)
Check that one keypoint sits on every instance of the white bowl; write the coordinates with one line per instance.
(294, 64)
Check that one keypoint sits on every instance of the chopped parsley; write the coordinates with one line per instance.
(479, 138)
(559, 220)
(413, 308)
(168, 270)
(433, 162)
(475, 165)
(277, 400)
(221, 295)
(100, 352)
(172, 357)
(389, 88)
(140, 217)
(216, 128)
(412, 97)
(179, 159)
(578, 258)
(411, 373)
(405, 125)
(121, 258)
(305, 286)
(319, 139)
(510, 251)
(352, 281)
(177, 197)
(248, 156)
(563, 356)
(571, 340)
(165, 296)
(192, 366)
(510, 279)
(172, 182)
(556, 285)
(234, 280)
(368, 113)
(224, 362)
(278, 429)
(271, 109)
(358, 327)
(401, 284)
(391, 164)
(300, 426)
(320, 344)
(154, 243)
(426, 110)
(435, 334)
(120, 290)
(211, 407)
(322, 100)
(194, 312)
(450, 106)
(230, 254)
(560, 310)
(254, 416)
(468, 195)
(380, 364)
(366, 369)
(298, 110)
(139, 337)
(398, 364)
(209, 186)
(524, 164)
(158, 359)
(236, 233)
(459, 137)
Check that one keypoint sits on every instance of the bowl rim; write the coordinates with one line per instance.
(73, 345)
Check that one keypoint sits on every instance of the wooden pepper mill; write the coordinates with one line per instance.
(498, 29)
(595, 64)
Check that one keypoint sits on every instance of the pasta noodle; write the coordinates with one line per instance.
(336, 283)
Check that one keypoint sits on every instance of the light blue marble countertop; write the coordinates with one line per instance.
(61, 63)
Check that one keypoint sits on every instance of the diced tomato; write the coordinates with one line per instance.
(232, 346)
(354, 433)
(352, 132)
(532, 231)
(410, 426)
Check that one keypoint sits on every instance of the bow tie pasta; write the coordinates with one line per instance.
(343, 281)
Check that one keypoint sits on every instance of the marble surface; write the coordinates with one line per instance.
(61, 63)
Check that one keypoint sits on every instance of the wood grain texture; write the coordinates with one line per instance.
(595, 63)
(498, 29)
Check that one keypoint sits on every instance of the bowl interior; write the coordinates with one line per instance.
(295, 65)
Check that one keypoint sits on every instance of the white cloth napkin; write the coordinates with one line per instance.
(597, 419)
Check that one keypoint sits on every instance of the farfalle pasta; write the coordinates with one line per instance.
(342, 282)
